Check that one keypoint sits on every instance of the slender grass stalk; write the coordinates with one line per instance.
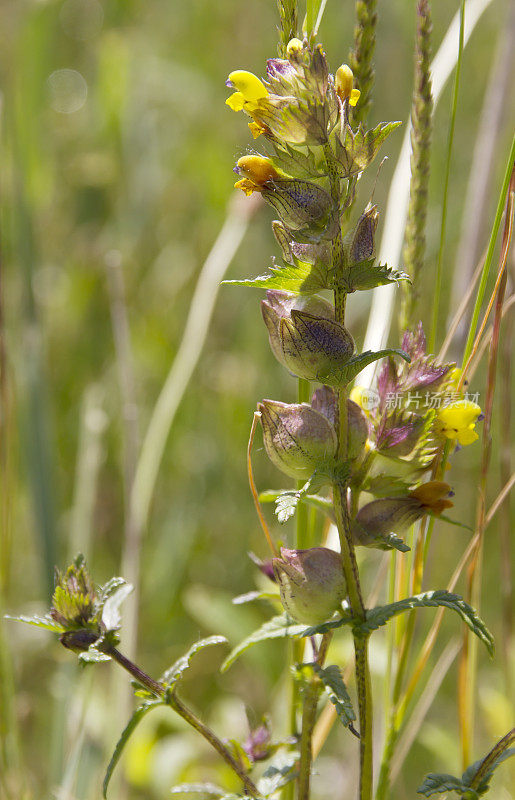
(360, 59)
(507, 479)
(288, 23)
(389, 251)
(186, 359)
(468, 663)
(421, 130)
(483, 164)
(438, 280)
(489, 254)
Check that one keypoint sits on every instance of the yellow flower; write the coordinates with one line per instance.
(344, 80)
(249, 90)
(255, 172)
(433, 496)
(458, 420)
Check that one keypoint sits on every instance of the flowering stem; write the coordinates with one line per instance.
(350, 569)
(171, 700)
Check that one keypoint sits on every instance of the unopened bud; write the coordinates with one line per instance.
(311, 583)
(297, 438)
(344, 81)
(293, 48)
(311, 346)
(391, 515)
(78, 641)
(302, 206)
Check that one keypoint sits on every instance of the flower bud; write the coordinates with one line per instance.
(297, 438)
(311, 583)
(376, 521)
(302, 206)
(293, 48)
(256, 171)
(78, 641)
(74, 602)
(344, 80)
(357, 430)
(310, 346)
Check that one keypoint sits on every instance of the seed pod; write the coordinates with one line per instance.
(302, 206)
(363, 241)
(311, 583)
(297, 438)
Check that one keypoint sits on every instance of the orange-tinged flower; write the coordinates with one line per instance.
(256, 171)
(433, 495)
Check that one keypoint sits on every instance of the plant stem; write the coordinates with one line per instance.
(171, 699)
(308, 722)
(490, 759)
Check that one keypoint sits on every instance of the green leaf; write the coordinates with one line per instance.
(363, 275)
(249, 597)
(438, 783)
(452, 521)
(93, 656)
(471, 772)
(336, 690)
(279, 627)
(298, 162)
(176, 672)
(376, 617)
(317, 501)
(299, 278)
(46, 622)
(358, 362)
(129, 729)
(324, 627)
(281, 770)
(209, 789)
(286, 506)
(111, 617)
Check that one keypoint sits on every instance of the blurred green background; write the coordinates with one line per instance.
(117, 150)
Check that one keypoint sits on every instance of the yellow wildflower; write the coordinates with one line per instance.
(458, 420)
(344, 80)
(433, 496)
(249, 90)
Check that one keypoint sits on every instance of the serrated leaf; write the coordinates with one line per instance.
(324, 627)
(93, 656)
(336, 690)
(471, 772)
(111, 587)
(376, 617)
(438, 783)
(298, 278)
(364, 275)
(297, 162)
(280, 771)
(354, 365)
(209, 789)
(279, 627)
(286, 505)
(176, 671)
(45, 622)
(127, 732)
(111, 617)
(323, 504)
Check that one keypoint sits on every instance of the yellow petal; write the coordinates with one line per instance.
(248, 84)
(354, 97)
(246, 186)
(236, 101)
(467, 436)
(343, 80)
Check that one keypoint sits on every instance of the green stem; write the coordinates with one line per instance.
(490, 759)
(489, 254)
(173, 701)
(438, 282)
(308, 722)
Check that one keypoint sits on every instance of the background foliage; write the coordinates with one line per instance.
(125, 163)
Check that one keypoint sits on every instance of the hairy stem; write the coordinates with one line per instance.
(173, 701)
